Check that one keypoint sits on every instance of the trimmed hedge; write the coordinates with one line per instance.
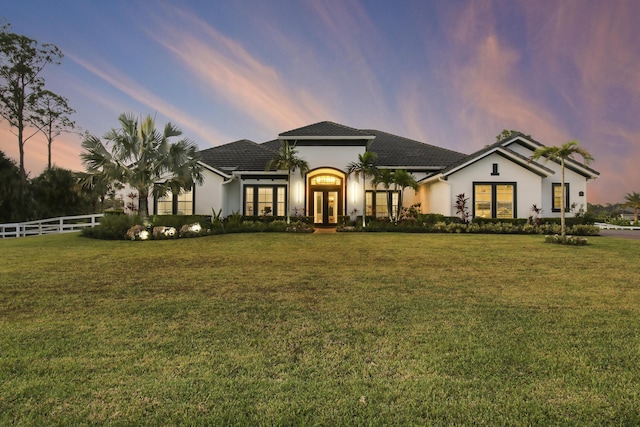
(486, 227)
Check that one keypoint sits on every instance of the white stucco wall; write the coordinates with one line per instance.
(528, 184)
(577, 184)
(208, 196)
(440, 199)
(335, 157)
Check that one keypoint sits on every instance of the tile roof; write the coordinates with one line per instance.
(242, 155)
(397, 151)
(393, 151)
(325, 129)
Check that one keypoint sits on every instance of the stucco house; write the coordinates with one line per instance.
(501, 181)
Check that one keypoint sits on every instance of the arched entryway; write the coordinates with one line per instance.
(325, 196)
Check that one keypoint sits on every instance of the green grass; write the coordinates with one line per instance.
(330, 329)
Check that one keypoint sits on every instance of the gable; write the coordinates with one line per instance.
(525, 145)
(496, 149)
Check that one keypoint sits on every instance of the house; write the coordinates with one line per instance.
(501, 181)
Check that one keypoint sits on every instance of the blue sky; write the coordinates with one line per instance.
(451, 73)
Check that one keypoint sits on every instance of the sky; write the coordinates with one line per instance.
(451, 73)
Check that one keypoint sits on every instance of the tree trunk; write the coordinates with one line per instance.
(49, 141)
(143, 203)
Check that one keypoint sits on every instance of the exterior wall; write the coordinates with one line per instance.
(298, 189)
(208, 196)
(329, 156)
(577, 183)
(528, 184)
(232, 197)
(440, 198)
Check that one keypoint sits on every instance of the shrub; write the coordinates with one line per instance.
(299, 227)
(161, 233)
(568, 240)
(177, 221)
(584, 230)
(112, 227)
(431, 218)
(138, 232)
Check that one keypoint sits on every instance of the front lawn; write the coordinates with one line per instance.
(319, 329)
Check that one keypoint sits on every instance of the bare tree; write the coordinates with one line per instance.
(51, 117)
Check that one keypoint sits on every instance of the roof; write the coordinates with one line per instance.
(397, 151)
(325, 130)
(502, 147)
(523, 161)
(393, 151)
(242, 155)
(532, 144)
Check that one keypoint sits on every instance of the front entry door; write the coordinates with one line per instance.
(325, 207)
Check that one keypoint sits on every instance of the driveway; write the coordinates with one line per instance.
(625, 234)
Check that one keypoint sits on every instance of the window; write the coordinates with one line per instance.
(482, 201)
(265, 200)
(164, 205)
(494, 200)
(556, 202)
(184, 203)
(494, 169)
(382, 199)
(172, 204)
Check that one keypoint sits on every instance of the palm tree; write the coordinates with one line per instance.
(632, 200)
(384, 177)
(287, 159)
(402, 179)
(561, 154)
(365, 167)
(138, 155)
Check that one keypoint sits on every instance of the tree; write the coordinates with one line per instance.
(385, 177)
(402, 179)
(365, 167)
(287, 159)
(97, 187)
(57, 192)
(561, 154)
(140, 156)
(51, 117)
(10, 206)
(508, 133)
(632, 200)
(21, 62)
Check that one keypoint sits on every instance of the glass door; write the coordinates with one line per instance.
(332, 207)
(318, 197)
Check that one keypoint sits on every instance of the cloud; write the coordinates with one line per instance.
(229, 70)
(120, 81)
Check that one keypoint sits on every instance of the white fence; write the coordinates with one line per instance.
(605, 226)
(65, 224)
